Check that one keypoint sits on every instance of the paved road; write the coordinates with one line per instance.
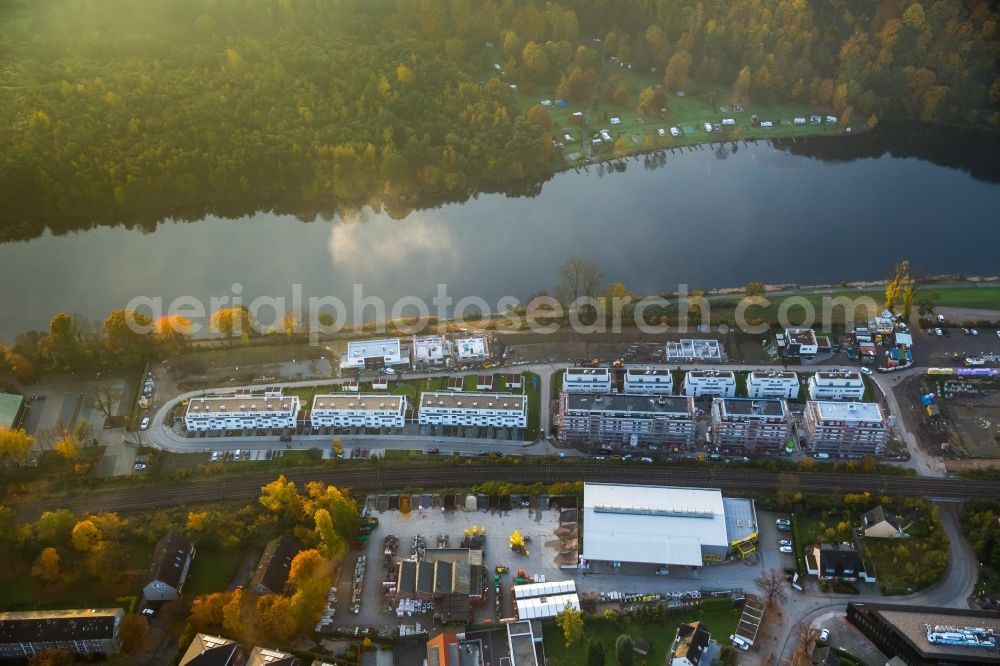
(163, 437)
(952, 591)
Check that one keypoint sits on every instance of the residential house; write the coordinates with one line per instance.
(879, 523)
(800, 342)
(274, 566)
(773, 384)
(206, 650)
(85, 632)
(710, 383)
(172, 559)
(246, 410)
(649, 381)
(345, 410)
(267, 657)
(837, 386)
(587, 380)
(374, 354)
(690, 645)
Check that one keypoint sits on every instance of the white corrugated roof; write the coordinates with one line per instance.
(544, 589)
(651, 524)
(539, 608)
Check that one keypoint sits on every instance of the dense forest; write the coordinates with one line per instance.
(115, 110)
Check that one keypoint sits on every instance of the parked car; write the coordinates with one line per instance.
(938, 332)
(786, 549)
(739, 642)
(824, 635)
(145, 423)
(646, 459)
(783, 521)
(974, 331)
(866, 371)
(784, 542)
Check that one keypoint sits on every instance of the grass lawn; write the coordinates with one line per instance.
(984, 298)
(212, 570)
(721, 623)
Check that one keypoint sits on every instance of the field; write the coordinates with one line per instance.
(720, 622)
(688, 113)
(976, 427)
(212, 570)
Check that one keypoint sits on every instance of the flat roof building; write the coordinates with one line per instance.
(242, 411)
(713, 383)
(630, 420)
(749, 427)
(541, 601)
(472, 348)
(653, 524)
(837, 386)
(649, 381)
(430, 350)
(348, 410)
(84, 632)
(846, 428)
(587, 380)
(500, 410)
(929, 636)
(374, 354)
(773, 384)
(800, 342)
(695, 350)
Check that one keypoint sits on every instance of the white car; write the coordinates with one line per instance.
(784, 542)
(767, 124)
(389, 371)
(786, 549)
(708, 127)
(866, 371)
(824, 635)
(661, 132)
(938, 332)
(616, 121)
(568, 137)
(674, 131)
(974, 331)
(145, 424)
(739, 642)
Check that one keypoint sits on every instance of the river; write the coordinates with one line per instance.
(821, 211)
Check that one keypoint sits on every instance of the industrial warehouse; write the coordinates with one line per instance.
(664, 526)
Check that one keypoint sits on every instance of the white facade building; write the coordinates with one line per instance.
(430, 350)
(348, 410)
(472, 348)
(649, 381)
(694, 350)
(501, 410)
(714, 383)
(800, 342)
(772, 384)
(837, 386)
(388, 352)
(587, 380)
(242, 411)
(846, 428)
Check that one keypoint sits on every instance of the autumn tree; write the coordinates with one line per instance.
(274, 618)
(15, 446)
(742, 84)
(754, 289)
(331, 544)
(311, 576)
(570, 620)
(128, 334)
(53, 658)
(678, 67)
(771, 585)
(539, 115)
(897, 284)
(579, 277)
(132, 630)
(805, 640)
(652, 99)
(536, 63)
(46, 567)
(107, 561)
(207, 611)
(232, 322)
(107, 393)
(281, 497)
(55, 528)
(86, 536)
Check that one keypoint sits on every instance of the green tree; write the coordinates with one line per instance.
(570, 620)
(54, 528)
(595, 653)
(624, 650)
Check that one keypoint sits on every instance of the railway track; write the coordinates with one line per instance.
(463, 476)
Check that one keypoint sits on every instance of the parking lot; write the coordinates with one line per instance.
(429, 518)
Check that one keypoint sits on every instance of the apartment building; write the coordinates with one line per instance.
(499, 410)
(749, 426)
(649, 381)
(84, 632)
(712, 383)
(430, 350)
(630, 420)
(247, 410)
(773, 385)
(694, 351)
(472, 349)
(800, 342)
(587, 380)
(837, 386)
(846, 428)
(366, 410)
(374, 354)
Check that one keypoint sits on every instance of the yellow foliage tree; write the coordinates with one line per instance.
(46, 566)
(86, 535)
